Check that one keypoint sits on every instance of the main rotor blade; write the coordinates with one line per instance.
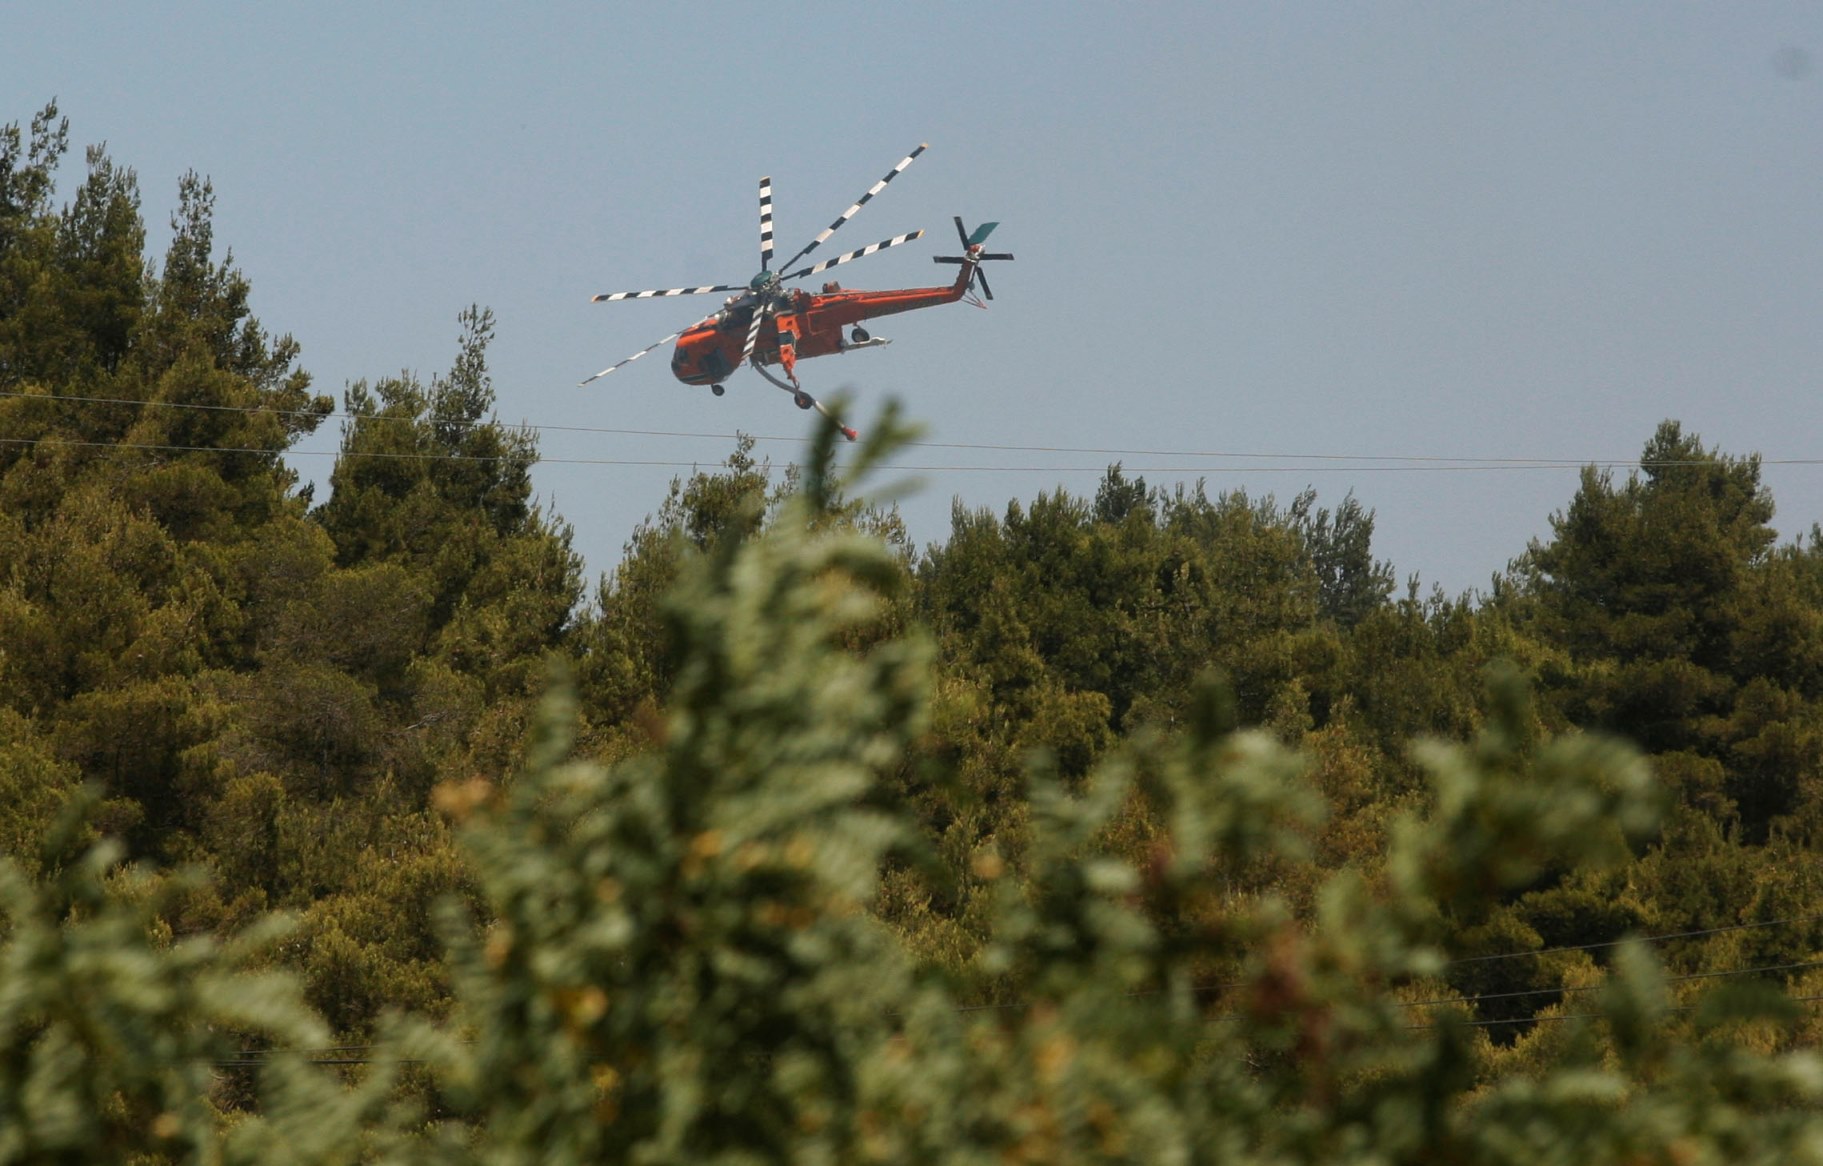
(629, 360)
(850, 213)
(863, 252)
(765, 224)
(753, 331)
(604, 297)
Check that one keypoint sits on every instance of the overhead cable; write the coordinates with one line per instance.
(1408, 461)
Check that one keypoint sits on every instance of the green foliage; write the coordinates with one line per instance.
(107, 1030)
(1351, 583)
(430, 488)
(1685, 631)
(34, 787)
(678, 961)
(70, 284)
(1147, 826)
(684, 986)
(257, 689)
(680, 965)
(625, 658)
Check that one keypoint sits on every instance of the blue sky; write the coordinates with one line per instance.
(1435, 254)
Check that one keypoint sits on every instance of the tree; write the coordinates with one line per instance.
(108, 1034)
(1687, 632)
(146, 416)
(427, 482)
(623, 654)
(1351, 583)
(679, 967)
(677, 959)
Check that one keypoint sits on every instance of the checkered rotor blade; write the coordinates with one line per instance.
(629, 360)
(753, 330)
(765, 224)
(850, 213)
(606, 297)
(862, 253)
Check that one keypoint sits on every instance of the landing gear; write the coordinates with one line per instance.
(860, 335)
(718, 390)
(803, 400)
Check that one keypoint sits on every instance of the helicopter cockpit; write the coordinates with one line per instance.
(734, 316)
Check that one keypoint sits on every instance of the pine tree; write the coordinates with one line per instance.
(1688, 634)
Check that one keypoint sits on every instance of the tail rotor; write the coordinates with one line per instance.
(972, 255)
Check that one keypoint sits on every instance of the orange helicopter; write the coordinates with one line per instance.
(804, 324)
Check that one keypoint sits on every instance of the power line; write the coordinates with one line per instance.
(1205, 989)
(334, 1054)
(159, 448)
(344, 1054)
(1574, 988)
(1405, 461)
(1507, 955)
(1470, 466)
(1496, 1022)
(1510, 955)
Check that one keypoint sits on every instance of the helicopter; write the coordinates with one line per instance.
(803, 324)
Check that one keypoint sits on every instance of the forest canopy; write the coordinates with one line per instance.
(1149, 826)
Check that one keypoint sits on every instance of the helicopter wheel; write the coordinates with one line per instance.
(803, 400)
(718, 390)
(860, 335)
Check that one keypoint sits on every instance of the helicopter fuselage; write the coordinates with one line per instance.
(814, 324)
